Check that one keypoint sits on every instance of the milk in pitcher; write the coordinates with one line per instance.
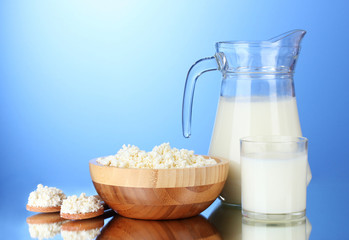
(241, 116)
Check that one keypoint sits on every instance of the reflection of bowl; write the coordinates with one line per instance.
(159, 193)
(190, 228)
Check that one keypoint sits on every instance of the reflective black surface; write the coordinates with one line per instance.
(327, 213)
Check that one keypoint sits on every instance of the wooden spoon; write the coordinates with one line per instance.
(51, 209)
(80, 216)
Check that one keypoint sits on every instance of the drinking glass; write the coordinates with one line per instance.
(274, 177)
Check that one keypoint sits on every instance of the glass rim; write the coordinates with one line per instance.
(272, 139)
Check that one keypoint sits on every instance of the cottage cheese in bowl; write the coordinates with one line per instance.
(161, 157)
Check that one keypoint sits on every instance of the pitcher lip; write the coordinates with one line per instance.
(273, 42)
(233, 44)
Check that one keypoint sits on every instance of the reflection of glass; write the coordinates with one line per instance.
(299, 229)
(274, 177)
(45, 225)
(191, 228)
(232, 225)
(227, 220)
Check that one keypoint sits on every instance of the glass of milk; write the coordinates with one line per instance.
(273, 177)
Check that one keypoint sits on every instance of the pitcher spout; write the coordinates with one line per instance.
(291, 38)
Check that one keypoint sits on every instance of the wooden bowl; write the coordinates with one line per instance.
(189, 229)
(159, 193)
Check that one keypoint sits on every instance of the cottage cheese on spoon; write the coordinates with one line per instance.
(82, 204)
(45, 196)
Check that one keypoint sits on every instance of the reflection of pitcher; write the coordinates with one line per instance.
(257, 97)
(227, 220)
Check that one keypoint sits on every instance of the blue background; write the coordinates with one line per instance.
(80, 78)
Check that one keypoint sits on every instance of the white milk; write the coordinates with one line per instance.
(274, 183)
(239, 117)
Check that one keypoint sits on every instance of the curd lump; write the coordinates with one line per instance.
(82, 204)
(45, 196)
(161, 157)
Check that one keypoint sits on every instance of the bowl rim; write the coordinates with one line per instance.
(220, 161)
(159, 178)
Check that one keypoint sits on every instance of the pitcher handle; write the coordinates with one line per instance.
(199, 67)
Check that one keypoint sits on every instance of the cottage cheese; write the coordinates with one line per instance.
(82, 204)
(161, 157)
(80, 235)
(45, 196)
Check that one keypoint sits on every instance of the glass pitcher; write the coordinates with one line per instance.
(257, 98)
